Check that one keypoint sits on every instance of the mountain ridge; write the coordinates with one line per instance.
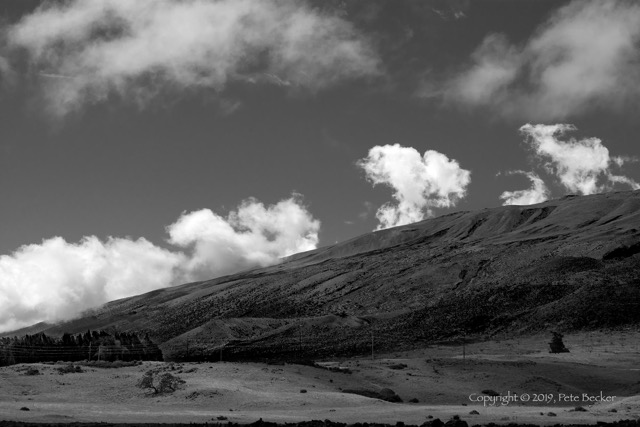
(568, 263)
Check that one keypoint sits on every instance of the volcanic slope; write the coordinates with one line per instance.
(567, 264)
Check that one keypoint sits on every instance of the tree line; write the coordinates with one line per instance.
(91, 345)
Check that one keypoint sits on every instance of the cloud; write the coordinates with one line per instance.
(537, 193)
(451, 9)
(582, 166)
(584, 58)
(140, 49)
(57, 280)
(253, 235)
(366, 211)
(420, 183)
(496, 66)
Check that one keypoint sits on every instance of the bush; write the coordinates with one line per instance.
(165, 383)
(70, 369)
(31, 371)
(110, 365)
(557, 345)
(397, 366)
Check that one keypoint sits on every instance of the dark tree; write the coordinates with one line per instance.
(556, 345)
(125, 346)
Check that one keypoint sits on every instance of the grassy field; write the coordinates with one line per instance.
(602, 365)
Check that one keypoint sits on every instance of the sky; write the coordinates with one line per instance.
(149, 143)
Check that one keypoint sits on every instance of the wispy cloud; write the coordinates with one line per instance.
(367, 208)
(582, 166)
(420, 183)
(57, 280)
(584, 58)
(451, 9)
(537, 193)
(140, 49)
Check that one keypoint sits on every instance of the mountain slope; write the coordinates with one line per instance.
(564, 264)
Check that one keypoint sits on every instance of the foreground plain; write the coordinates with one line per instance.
(437, 376)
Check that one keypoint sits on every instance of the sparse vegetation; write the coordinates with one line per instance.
(109, 365)
(397, 366)
(31, 371)
(69, 369)
(160, 383)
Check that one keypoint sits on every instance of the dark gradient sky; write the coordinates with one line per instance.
(115, 169)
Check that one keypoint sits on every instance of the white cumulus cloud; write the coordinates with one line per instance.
(253, 235)
(57, 280)
(585, 57)
(420, 183)
(139, 49)
(582, 166)
(537, 193)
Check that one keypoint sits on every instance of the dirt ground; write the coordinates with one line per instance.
(533, 383)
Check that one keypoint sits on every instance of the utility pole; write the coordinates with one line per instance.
(372, 357)
(464, 355)
(464, 339)
(221, 353)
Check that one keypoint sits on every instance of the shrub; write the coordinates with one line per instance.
(69, 369)
(110, 365)
(556, 345)
(165, 383)
(31, 371)
(397, 366)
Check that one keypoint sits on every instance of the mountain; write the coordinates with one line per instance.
(566, 264)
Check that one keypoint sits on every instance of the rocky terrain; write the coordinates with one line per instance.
(570, 264)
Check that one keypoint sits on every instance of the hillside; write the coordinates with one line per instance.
(566, 264)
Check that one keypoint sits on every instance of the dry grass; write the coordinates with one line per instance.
(437, 377)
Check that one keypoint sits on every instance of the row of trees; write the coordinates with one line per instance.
(91, 345)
